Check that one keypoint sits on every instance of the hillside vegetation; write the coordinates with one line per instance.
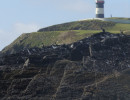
(64, 34)
(87, 25)
(79, 25)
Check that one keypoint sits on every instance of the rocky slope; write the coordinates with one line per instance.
(94, 68)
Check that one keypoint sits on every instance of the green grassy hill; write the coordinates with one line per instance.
(79, 25)
(88, 25)
(64, 34)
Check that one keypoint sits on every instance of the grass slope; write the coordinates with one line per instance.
(36, 39)
(79, 25)
(87, 25)
(63, 34)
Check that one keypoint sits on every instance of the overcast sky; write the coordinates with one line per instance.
(23, 16)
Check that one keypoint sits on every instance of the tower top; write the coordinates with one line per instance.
(99, 1)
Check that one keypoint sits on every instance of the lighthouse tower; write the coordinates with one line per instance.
(99, 8)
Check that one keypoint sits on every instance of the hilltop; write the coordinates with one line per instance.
(90, 24)
(65, 33)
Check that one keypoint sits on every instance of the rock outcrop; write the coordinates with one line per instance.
(94, 68)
